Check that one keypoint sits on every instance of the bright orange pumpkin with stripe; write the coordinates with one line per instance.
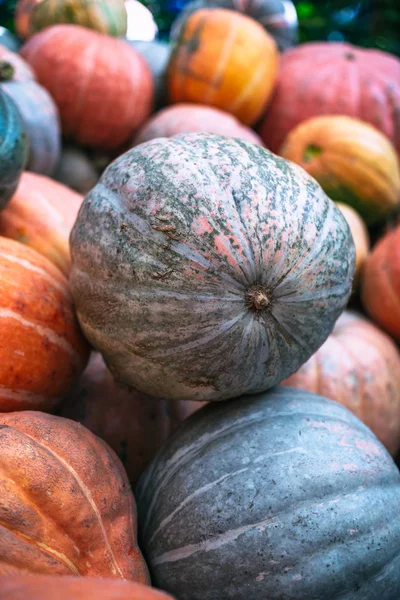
(42, 350)
(224, 59)
(66, 504)
(41, 215)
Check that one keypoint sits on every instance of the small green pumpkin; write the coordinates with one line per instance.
(13, 148)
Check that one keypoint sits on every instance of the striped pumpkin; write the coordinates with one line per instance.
(67, 508)
(42, 351)
(204, 267)
(105, 16)
(282, 495)
(13, 148)
(224, 59)
(41, 215)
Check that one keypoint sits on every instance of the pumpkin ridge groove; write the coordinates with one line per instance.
(87, 494)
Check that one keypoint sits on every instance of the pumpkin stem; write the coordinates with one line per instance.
(350, 56)
(312, 151)
(6, 71)
(258, 298)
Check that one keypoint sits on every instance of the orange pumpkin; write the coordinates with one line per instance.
(66, 504)
(41, 215)
(224, 59)
(103, 88)
(358, 366)
(42, 350)
(380, 287)
(132, 423)
(352, 161)
(360, 236)
(42, 587)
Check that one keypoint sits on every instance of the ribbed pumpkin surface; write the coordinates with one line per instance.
(204, 267)
(42, 350)
(67, 508)
(41, 215)
(13, 148)
(331, 78)
(358, 366)
(360, 235)
(192, 118)
(283, 495)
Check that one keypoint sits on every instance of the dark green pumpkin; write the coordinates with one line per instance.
(281, 496)
(13, 148)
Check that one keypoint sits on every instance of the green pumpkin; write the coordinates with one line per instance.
(13, 148)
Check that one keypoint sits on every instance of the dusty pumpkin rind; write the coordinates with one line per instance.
(170, 248)
(285, 495)
(66, 504)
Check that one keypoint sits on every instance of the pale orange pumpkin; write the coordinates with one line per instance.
(360, 235)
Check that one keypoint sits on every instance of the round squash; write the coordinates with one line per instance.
(76, 170)
(358, 366)
(156, 54)
(115, 96)
(353, 162)
(106, 16)
(224, 59)
(41, 215)
(331, 78)
(37, 110)
(206, 267)
(302, 502)
(9, 40)
(278, 17)
(380, 286)
(192, 118)
(47, 587)
(133, 424)
(360, 237)
(13, 148)
(67, 508)
(42, 351)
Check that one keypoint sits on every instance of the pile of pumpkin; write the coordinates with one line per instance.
(201, 268)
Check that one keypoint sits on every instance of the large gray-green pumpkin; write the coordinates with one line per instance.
(206, 267)
(284, 496)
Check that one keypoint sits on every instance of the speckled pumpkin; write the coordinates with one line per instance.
(41, 215)
(106, 16)
(360, 235)
(37, 110)
(224, 59)
(192, 118)
(204, 267)
(13, 148)
(332, 78)
(380, 287)
(133, 424)
(358, 366)
(302, 503)
(42, 350)
(67, 508)
(115, 96)
(352, 161)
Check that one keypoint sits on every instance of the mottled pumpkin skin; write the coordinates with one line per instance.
(13, 148)
(302, 503)
(67, 505)
(156, 54)
(204, 267)
(133, 424)
(224, 59)
(360, 235)
(331, 78)
(37, 110)
(46, 587)
(105, 16)
(380, 286)
(271, 14)
(42, 350)
(105, 112)
(352, 161)
(358, 366)
(192, 118)
(41, 215)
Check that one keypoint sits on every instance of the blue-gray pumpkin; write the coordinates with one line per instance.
(156, 53)
(284, 496)
(13, 148)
